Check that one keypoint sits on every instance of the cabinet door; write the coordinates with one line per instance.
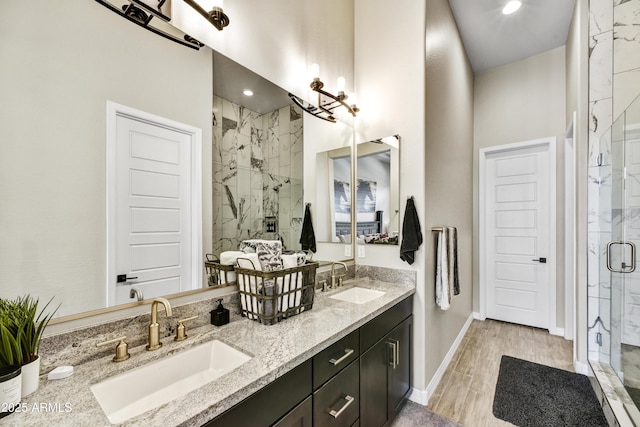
(373, 385)
(399, 367)
(300, 416)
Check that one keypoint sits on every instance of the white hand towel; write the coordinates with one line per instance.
(229, 258)
(289, 261)
(247, 283)
(249, 261)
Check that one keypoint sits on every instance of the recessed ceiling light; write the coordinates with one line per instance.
(248, 92)
(511, 7)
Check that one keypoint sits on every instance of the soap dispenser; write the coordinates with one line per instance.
(219, 315)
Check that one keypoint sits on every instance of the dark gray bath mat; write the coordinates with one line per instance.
(532, 395)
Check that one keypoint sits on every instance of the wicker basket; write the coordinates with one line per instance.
(219, 274)
(271, 296)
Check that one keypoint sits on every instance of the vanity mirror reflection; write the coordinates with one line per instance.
(64, 70)
(327, 185)
(378, 191)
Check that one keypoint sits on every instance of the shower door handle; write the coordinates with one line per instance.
(624, 268)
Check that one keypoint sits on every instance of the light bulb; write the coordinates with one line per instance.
(315, 71)
(216, 3)
(511, 7)
(341, 83)
(352, 98)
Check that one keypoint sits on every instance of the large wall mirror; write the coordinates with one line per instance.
(378, 191)
(67, 63)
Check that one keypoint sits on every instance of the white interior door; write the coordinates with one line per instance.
(516, 239)
(152, 242)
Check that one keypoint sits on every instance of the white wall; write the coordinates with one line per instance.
(424, 94)
(391, 99)
(522, 101)
(280, 39)
(61, 62)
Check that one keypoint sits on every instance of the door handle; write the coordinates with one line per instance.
(540, 260)
(394, 346)
(625, 268)
(121, 278)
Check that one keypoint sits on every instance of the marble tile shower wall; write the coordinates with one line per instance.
(614, 82)
(257, 173)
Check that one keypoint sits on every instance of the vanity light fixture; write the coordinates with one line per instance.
(215, 16)
(327, 102)
(142, 12)
(511, 7)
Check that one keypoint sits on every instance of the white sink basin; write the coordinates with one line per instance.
(141, 389)
(358, 295)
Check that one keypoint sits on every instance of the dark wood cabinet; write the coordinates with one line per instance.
(400, 369)
(385, 376)
(268, 405)
(361, 380)
(300, 416)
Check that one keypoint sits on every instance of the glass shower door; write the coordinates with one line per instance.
(621, 250)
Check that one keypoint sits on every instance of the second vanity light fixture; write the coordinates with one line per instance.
(215, 16)
(327, 102)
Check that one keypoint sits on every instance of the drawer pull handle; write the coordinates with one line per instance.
(394, 346)
(347, 352)
(336, 414)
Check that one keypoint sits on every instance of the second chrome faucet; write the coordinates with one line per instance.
(154, 327)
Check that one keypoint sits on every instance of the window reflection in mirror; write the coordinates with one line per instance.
(378, 191)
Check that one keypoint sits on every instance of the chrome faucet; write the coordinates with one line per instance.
(154, 327)
(333, 274)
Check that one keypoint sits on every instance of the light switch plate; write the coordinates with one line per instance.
(347, 250)
(361, 251)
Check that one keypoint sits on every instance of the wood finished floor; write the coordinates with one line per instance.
(465, 394)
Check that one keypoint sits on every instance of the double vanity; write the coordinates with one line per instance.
(347, 358)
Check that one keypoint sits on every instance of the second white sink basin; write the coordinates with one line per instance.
(358, 295)
(141, 389)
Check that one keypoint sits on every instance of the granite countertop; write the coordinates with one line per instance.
(274, 349)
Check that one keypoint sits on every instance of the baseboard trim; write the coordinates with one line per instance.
(478, 316)
(581, 368)
(557, 331)
(422, 396)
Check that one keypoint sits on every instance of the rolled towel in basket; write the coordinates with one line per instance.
(292, 282)
(247, 283)
(229, 258)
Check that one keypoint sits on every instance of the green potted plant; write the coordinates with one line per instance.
(21, 329)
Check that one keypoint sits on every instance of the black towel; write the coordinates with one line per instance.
(308, 237)
(411, 233)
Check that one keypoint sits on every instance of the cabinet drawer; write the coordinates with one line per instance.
(337, 403)
(270, 403)
(300, 416)
(333, 359)
(375, 329)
